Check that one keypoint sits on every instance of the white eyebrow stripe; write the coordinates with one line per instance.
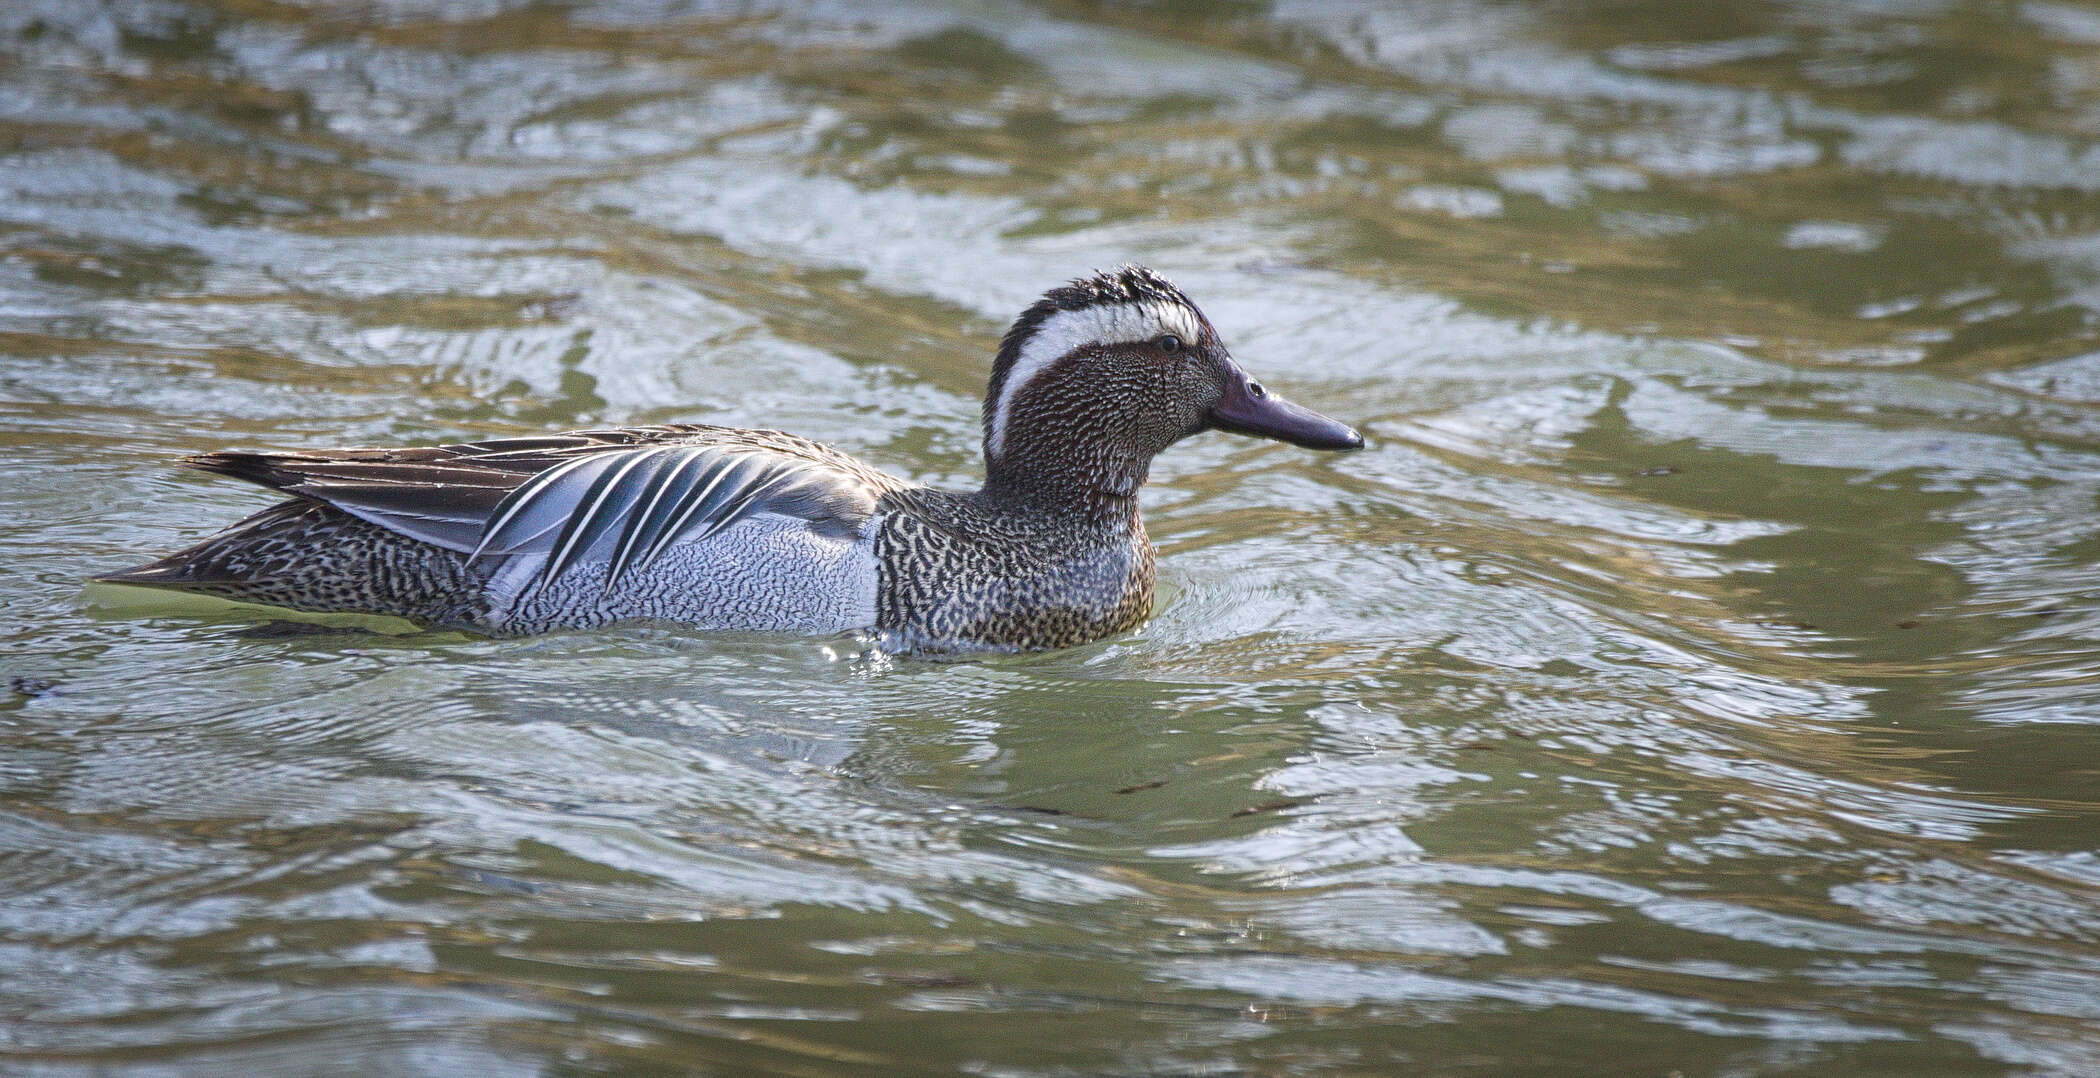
(1061, 333)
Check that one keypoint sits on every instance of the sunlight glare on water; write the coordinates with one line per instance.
(1695, 674)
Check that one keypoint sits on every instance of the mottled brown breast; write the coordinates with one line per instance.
(956, 572)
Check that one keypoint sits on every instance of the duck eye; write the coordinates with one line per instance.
(1169, 343)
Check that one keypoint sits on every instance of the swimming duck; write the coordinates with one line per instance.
(723, 528)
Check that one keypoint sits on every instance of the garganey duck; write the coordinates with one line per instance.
(722, 528)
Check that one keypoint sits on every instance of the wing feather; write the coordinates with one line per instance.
(543, 518)
(609, 499)
(698, 488)
(644, 525)
(623, 495)
(627, 507)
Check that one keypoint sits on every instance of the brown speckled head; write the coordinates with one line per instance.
(1101, 374)
(1092, 380)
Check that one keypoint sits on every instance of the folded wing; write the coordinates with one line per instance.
(627, 507)
(623, 495)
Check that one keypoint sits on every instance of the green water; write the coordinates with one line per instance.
(1698, 674)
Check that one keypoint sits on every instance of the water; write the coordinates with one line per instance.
(1696, 675)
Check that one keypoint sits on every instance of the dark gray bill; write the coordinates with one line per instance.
(1249, 409)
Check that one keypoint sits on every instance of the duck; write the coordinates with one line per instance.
(730, 529)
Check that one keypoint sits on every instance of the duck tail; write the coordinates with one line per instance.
(306, 555)
(258, 468)
(214, 564)
(219, 564)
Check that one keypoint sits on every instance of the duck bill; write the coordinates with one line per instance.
(1248, 409)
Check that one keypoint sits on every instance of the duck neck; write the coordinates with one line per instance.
(1099, 488)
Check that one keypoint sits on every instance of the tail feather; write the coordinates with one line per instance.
(255, 468)
(309, 556)
(168, 572)
(216, 560)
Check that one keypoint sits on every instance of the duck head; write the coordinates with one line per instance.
(1101, 374)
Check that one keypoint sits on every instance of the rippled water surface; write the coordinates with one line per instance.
(1698, 674)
